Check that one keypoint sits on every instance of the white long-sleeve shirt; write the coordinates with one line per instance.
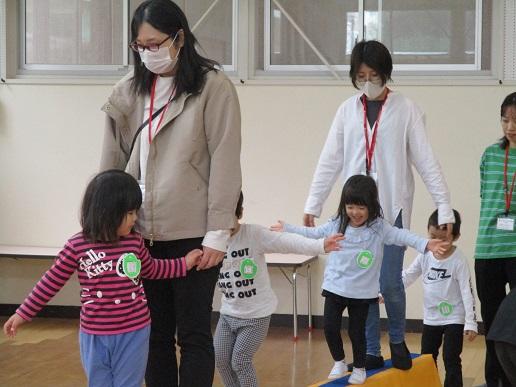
(244, 279)
(401, 143)
(448, 294)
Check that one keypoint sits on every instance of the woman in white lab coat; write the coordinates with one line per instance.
(381, 133)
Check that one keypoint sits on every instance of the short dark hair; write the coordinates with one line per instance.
(373, 54)
(360, 190)
(109, 196)
(167, 17)
(508, 101)
(433, 221)
(239, 207)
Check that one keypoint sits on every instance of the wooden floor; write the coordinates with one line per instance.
(46, 353)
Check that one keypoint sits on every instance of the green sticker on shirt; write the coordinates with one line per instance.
(131, 265)
(365, 259)
(248, 268)
(445, 308)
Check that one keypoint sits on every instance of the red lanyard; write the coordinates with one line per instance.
(508, 194)
(370, 147)
(151, 108)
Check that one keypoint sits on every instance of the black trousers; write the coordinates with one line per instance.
(492, 276)
(453, 335)
(506, 353)
(334, 306)
(180, 306)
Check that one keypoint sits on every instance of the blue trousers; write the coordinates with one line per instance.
(115, 360)
(393, 292)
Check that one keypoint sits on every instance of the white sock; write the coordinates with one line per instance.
(358, 376)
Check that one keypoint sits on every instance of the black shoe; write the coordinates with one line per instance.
(400, 356)
(371, 363)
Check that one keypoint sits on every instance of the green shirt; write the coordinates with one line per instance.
(491, 242)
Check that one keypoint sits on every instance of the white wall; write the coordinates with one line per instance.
(50, 137)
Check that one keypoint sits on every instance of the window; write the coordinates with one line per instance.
(272, 39)
(91, 36)
(422, 35)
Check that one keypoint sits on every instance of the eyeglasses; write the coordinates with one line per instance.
(376, 79)
(151, 47)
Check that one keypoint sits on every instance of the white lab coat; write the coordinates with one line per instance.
(401, 143)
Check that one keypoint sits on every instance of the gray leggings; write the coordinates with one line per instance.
(236, 341)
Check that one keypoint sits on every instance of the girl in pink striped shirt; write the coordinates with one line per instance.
(110, 259)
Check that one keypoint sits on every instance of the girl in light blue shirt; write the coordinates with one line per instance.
(351, 276)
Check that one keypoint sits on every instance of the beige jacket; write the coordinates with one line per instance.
(193, 171)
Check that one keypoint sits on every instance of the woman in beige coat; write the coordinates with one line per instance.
(174, 124)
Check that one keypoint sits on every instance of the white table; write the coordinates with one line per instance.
(33, 252)
(294, 262)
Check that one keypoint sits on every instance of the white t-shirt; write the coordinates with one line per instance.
(448, 294)
(163, 91)
(244, 279)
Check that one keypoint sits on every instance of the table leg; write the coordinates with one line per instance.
(309, 285)
(294, 299)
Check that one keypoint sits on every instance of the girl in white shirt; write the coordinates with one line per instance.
(351, 276)
(247, 297)
(381, 133)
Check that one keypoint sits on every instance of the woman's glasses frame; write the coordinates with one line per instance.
(151, 47)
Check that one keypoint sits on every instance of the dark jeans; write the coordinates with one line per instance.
(506, 353)
(492, 276)
(453, 335)
(334, 306)
(182, 306)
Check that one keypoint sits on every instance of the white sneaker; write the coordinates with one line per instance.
(339, 369)
(358, 376)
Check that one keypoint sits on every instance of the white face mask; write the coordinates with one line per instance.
(372, 90)
(160, 62)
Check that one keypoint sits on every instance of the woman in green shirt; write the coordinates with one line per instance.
(495, 253)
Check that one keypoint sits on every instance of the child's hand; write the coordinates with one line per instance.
(11, 325)
(193, 258)
(381, 300)
(438, 246)
(279, 227)
(470, 335)
(332, 243)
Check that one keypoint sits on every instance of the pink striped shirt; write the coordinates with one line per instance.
(112, 303)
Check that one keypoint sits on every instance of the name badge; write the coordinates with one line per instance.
(504, 223)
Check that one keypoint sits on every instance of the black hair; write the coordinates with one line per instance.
(433, 221)
(509, 101)
(109, 196)
(360, 190)
(167, 17)
(373, 54)
(239, 209)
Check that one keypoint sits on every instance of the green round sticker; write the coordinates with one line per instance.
(445, 308)
(248, 268)
(365, 259)
(131, 265)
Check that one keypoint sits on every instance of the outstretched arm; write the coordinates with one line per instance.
(285, 242)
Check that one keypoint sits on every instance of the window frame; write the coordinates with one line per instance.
(314, 69)
(22, 70)
(245, 71)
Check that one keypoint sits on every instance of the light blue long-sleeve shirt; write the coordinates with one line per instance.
(354, 270)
